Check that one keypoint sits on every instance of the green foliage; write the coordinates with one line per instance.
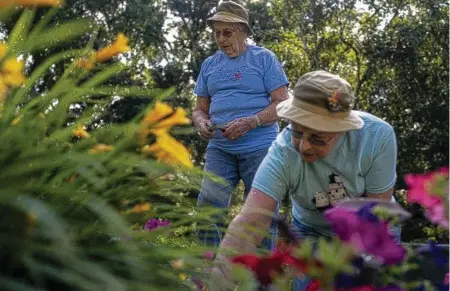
(68, 210)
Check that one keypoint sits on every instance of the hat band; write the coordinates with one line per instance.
(224, 13)
(319, 110)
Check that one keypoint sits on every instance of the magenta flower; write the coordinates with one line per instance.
(155, 223)
(209, 255)
(365, 232)
(431, 191)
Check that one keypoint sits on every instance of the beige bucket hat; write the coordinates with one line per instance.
(321, 101)
(230, 11)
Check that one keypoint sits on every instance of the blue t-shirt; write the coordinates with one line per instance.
(363, 161)
(240, 87)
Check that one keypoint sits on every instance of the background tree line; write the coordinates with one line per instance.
(394, 52)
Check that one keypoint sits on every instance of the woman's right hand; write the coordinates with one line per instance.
(204, 130)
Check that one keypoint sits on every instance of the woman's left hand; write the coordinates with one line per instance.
(238, 127)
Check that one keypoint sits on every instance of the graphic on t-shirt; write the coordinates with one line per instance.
(336, 192)
(237, 76)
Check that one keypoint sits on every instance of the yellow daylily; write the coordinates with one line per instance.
(120, 45)
(159, 111)
(143, 207)
(179, 117)
(100, 148)
(12, 72)
(86, 62)
(3, 50)
(80, 132)
(5, 3)
(168, 150)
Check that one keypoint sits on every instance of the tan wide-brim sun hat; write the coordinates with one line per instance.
(230, 11)
(323, 102)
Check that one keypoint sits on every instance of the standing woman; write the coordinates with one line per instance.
(237, 90)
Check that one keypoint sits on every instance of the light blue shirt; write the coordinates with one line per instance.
(241, 87)
(363, 161)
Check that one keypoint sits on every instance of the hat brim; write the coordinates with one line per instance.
(227, 18)
(319, 122)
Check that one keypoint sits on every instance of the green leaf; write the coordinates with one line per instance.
(20, 31)
(61, 34)
(7, 13)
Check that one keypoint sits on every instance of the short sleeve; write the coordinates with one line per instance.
(272, 175)
(274, 75)
(382, 173)
(201, 87)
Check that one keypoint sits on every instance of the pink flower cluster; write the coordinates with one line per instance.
(366, 233)
(431, 191)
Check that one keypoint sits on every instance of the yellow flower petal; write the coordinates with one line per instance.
(143, 207)
(5, 3)
(14, 79)
(12, 72)
(3, 50)
(160, 111)
(178, 118)
(86, 62)
(80, 132)
(168, 150)
(12, 65)
(120, 45)
(100, 148)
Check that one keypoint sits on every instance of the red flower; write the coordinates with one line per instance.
(265, 268)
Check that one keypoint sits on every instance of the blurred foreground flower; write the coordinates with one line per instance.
(431, 191)
(266, 268)
(119, 46)
(155, 223)
(366, 233)
(80, 132)
(168, 150)
(155, 120)
(100, 148)
(142, 207)
(11, 74)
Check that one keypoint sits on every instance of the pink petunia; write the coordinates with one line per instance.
(431, 191)
(155, 223)
(366, 234)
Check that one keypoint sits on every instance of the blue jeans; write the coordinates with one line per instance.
(301, 230)
(232, 168)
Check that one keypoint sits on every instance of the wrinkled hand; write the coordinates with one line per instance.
(238, 127)
(203, 129)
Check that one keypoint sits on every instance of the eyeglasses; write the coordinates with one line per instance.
(312, 139)
(226, 33)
